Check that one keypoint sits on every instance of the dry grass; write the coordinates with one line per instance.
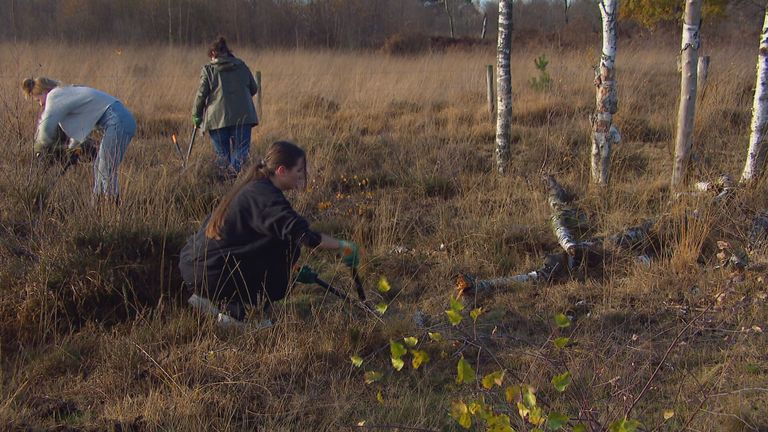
(95, 334)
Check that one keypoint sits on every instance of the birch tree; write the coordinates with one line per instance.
(604, 133)
(753, 168)
(689, 55)
(504, 85)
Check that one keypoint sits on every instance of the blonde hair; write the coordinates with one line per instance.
(38, 86)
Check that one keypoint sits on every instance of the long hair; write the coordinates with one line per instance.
(219, 48)
(38, 86)
(280, 153)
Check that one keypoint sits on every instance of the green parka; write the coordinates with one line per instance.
(226, 90)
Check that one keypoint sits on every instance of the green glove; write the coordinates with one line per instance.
(306, 275)
(197, 121)
(350, 253)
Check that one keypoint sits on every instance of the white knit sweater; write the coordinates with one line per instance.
(75, 108)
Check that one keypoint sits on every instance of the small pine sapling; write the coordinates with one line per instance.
(543, 81)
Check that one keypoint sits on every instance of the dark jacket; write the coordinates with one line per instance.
(226, 94)
(260, 241)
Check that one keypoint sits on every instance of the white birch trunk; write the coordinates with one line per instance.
(604, 133)
(504, 85)
(556, 198)
(753, 168)
(687, 111)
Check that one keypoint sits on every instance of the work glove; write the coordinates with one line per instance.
(350, 253)
(197, 121)
(306, 275)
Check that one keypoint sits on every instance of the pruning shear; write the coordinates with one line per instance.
(307, 275)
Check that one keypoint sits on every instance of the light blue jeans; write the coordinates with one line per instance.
(119, 127)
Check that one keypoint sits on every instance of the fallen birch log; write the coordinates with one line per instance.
(562, 214)
(721, 188)
(555, 266)
(633, 237)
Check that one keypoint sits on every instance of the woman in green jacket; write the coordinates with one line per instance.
(225, 98)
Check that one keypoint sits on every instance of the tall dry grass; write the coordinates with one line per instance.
(95, 333)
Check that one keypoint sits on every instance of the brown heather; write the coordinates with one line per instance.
(95, 333)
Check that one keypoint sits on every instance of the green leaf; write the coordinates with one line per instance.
(380, 397)
(460, 413)
(458, 408)
(562, 321)
(474, 407)
(624, 425)
(529, 397)
(561, 342)
(454, 317)
(499, 423)
(381, 308)
(383, 285)
(478, 409)
(581, 427)
(493, 378)
(456, 305)
(523, 410)
(411, 341)
(372, 376)
(465, 373)
(397, 363)
(435, 336)
(397, 349)
(555, 421)
(511, 393)
(476, 313)
(536, 416)
(419, 358)
(561, 381)
(357, 361)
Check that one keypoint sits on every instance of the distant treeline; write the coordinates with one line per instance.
(290, 23)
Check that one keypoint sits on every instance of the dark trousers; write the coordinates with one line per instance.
(246, 279)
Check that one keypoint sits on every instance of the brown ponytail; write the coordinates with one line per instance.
(219, 48)
(280, 153)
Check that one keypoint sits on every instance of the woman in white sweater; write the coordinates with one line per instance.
(77, 110)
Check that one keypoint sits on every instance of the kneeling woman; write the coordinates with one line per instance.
(246, 248)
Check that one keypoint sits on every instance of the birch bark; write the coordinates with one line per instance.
(757, 150)
(504, 86)
(604, 133)
(557, 202)
(686, 113)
